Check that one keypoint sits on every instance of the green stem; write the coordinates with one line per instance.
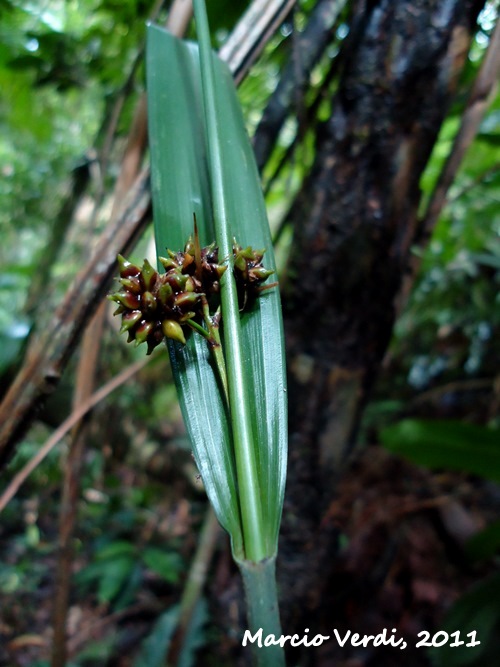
(216, 345)
(259, 581)
(197, 327)
(246, 463)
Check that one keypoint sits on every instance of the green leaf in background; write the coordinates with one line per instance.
(476, 611)
(484, 544)
(446, 444)
(117, 549)
(167, 565)
(181, 188)
(115, 572)
(114, 575)
(154, 648)
(196, 636)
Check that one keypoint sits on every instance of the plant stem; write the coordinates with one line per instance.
(216, 345)
(259, 581)
(195, 583)
(246, 464)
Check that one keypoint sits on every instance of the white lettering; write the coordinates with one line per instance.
(381, 638)
(392, 640)
(247, 637)
(271, 640)
(305, 639)
(319, 639)
(295, 640)
(337, 637)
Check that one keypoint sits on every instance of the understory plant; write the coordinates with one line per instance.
(215, 305)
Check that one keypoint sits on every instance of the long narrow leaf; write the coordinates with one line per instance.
(181, 187)
(245, 450)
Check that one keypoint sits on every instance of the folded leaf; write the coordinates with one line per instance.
(181, 188)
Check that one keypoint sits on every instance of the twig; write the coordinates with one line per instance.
(80, 178)
(46, 359)
(476, 384)
(88, 630)
(195, 582)
(309, 120)
(251, 34)
(482, 92)
(127, 87)
(66, 426)
(311, 44)
(478, 180)
(130, 166)
(72, 467)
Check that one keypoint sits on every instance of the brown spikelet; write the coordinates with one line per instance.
(154, 306)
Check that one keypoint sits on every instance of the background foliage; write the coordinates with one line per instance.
(63, 68)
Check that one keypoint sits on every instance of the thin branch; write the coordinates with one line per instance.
(476, 384)
(72, 465)
(47, 357)
(80, 178)
(88, 630)
(251, 34)
(87, 366)
(124, 92)
(310, 45)
(179, 16)
(310, 119)
(195, 582)
(481, 95)
(67, 425)
(477, 104)
(478, 180)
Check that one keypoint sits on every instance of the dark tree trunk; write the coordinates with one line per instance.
(354, 223)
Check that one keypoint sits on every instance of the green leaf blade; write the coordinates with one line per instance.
(446, 444)
(207, 425)
(181, 187)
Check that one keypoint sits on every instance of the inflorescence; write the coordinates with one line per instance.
(155, 306)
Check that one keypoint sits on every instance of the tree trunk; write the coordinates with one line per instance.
(354, 223)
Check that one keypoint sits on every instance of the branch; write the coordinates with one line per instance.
(481, 95)
(86, 372)
(195, 582)
(480, 179)
(305, 55)
(66, 426)
(477, 104)
(251, 34)
(47, 357)
(80, 178)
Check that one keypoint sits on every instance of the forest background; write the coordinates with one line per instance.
(376, 129)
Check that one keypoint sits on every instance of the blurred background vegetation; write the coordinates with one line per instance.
(67, 71)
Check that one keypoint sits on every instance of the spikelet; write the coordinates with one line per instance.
(249, 273)
(155, 306)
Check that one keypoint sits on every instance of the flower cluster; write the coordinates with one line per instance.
(154, 306)
(249, 274)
